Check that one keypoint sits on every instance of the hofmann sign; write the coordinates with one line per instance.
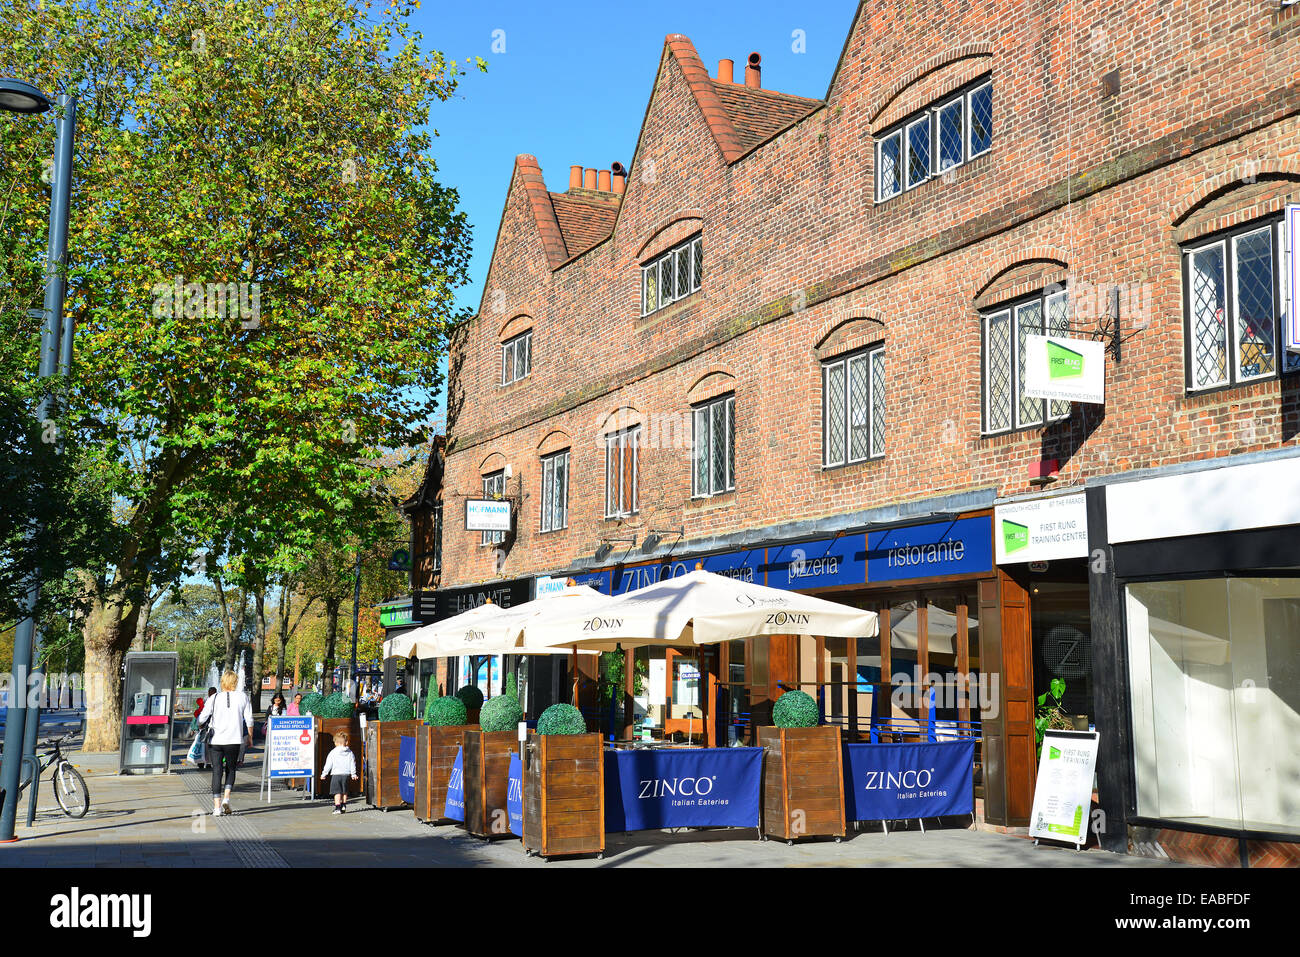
(487, 515)
(1067, 370)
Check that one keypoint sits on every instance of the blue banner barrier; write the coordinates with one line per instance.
(515, 796)
(701, 787)
(455, 807)
(406, 772)
(893, 782)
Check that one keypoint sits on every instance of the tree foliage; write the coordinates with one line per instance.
(261, 263)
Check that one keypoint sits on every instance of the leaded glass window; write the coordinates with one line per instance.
(676, 274)
(932, 141)
(853, 408)
(714, 452)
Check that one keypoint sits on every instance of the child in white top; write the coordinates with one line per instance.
(340, 764)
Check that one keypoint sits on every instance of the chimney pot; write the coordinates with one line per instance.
(604, 181)
(727, 71)
(575, 176)
(619, 185)
(754, 71)
(589, 179)
(620, 177)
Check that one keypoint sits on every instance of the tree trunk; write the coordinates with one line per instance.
(331, 637)
(259, 646)
(228, 657)
(282, 617)
(108, 637)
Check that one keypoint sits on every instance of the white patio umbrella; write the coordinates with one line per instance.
(497, 630)
(698, 608)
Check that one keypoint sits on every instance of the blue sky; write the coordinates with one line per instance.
(572, 84)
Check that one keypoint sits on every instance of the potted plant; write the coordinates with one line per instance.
(437, 742)
(803, 772)
(486, 764)
(472, 698)
(333, 713)
(564, 786)
(395, 719)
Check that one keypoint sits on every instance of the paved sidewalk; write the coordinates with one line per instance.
(165, 821)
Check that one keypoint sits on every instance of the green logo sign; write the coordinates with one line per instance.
(1014, 536)
(392, 617)
(1053, 753)
(1063, 363)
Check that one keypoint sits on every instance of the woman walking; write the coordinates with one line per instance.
(231, 717)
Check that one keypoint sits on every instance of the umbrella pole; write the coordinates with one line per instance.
(629, 689)
(573, 666)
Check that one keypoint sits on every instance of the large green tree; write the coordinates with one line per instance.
(261, 266)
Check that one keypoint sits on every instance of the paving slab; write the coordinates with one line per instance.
(165, 820)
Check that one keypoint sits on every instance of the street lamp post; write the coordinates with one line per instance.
(18, 96)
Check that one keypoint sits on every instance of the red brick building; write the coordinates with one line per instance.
(792, 338)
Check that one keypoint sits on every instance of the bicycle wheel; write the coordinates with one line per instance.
(70, 790)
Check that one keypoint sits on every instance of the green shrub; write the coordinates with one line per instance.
(501, 713)
(795, 709)
(471, 697)
(561, 719)
(445, 713)
(396, 707)
(337, 705)
(512, 686)
(311, 703)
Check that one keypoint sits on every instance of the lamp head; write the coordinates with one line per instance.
(19, 96)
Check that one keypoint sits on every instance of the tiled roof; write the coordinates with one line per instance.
(583, 222)
(758, 115)
(530, 173)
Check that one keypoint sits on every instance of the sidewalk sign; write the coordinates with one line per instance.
(1063, 793)
(290, 750)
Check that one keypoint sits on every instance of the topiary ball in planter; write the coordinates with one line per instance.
(337, 705)
(561, 719)
(471, 697)
(396, 707)
(795, 709)
(311, 704)
(501, 713)
(445, 713)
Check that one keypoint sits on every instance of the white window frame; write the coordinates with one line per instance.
(436, 556)
(618, 446)
(881, 195)
(694, 274)
(516, 346)
(931, 113)
(1227, 240)
(555, 496)
(1012, 310)
(875, 428)
(494, 483)
(697, 450)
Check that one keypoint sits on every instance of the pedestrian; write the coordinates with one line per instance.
(295, 709)
(231, 716)
(339, 766)
(199, 753)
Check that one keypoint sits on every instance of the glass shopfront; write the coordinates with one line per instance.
(1214, 667)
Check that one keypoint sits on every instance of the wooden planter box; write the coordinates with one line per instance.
(486, 764)
(383, 761)
(325, 728)
(803, 782)
(564, 795)
(435, 755)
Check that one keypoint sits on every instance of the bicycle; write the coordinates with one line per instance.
(69, 786)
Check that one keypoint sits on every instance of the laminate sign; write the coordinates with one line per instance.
(454, 810)
(960, 547)
(1063, 792)
(507, 594)
(1041, 530)
(894, 782)
(290, 746)
(406, 769)
(515, 796)
(700, 787)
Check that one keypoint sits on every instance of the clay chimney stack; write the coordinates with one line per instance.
(727, 71)
(620, 177)
(575, 176)
(754, 71)
(604, 181)
(589, 179)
